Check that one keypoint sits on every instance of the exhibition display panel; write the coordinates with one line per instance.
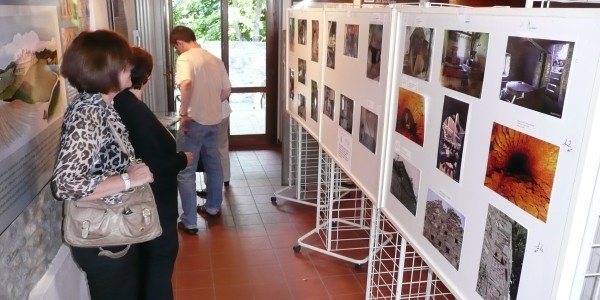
(490, 167)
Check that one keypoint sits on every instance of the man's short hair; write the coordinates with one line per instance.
(94, 61)
(142, 67)
(181, 33)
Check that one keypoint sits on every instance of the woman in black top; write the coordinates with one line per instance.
(155, 146)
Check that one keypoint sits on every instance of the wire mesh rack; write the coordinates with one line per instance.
(344, 217)
(303, 170)
(397, 271)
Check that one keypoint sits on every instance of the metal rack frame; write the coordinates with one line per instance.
(396, 270)
(303, 168)
(344, 217)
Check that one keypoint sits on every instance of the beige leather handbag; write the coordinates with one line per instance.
(94, 223)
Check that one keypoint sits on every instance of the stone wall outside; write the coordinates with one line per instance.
(28, 246)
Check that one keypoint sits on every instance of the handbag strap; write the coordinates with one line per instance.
(120, 141)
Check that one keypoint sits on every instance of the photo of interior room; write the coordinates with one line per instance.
(463, 62)
(536, 74)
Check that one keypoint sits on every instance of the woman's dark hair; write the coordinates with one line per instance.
(181, 33)
(142, 67)
(94, 61)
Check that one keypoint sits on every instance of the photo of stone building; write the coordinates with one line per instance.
(405, 183)
(444, 228)
(501, 256)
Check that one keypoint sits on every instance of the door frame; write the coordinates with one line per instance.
(270, 89)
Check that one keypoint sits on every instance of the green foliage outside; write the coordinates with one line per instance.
(203, 17)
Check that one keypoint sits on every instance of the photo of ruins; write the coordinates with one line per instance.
(405, 183)
(314, 43)
(302, 27)
(351, 40)
(302, 106)
(521, 169)
(374, 51)
(346, 113)
(367, 131)
(410, 116)
(331, 25)
(314, 101)
(501, 256)
(292, 34)
(328, 102)
(444, 228)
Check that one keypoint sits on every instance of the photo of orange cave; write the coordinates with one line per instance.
(410, 116)
(521, 168)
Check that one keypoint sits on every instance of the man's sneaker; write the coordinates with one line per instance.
(202, 211)
(202, 193)
(190, 231)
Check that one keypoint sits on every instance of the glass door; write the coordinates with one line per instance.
(236, 32)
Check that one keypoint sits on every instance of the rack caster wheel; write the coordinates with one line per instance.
(274, 200)
(357, 267)
(297, 248)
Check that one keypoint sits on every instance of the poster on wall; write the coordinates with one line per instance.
(374, 51)
(314, 42)
(417, 52)
(521, 168)
(502, 255)
(329, 102)
(367, 131)
(331, 36)
(32, 102)
(410, 116)
(405, 182)
(351, 40)
(452, 137)
(291, 34)
(463, 61)
(444, 228)
(536, 73)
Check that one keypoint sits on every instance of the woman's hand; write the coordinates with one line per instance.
(139, 174)
(190, 157)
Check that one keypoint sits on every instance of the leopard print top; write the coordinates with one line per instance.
(88, 151)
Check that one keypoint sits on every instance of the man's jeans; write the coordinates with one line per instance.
(200, 138)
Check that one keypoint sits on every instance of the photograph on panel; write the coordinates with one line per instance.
(302, 28)
(521, 168)
(405, 183)
(291, 87)
(331, 26)
(502, 255)
(301, 106)
(444, 227)
(410, 116)
(314, 42)
(301, 70)
(351, 40)
(346, 113)
(314, 101)
(463, 61)
(452, 137)
(367, 131)
(374, 51)
(292, 34)
(30, 86)
(417, 52)
(535, 74)
(328, 102)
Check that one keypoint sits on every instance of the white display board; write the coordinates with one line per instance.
(305, 72)
(355, 88)
(490, 152)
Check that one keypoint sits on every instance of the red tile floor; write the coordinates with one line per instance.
(247, 252)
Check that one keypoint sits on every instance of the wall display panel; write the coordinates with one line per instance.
(488, 157)
(32, 102)
(356, 85)
(306, 42)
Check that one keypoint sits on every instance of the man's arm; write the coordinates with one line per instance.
(224, 94)
(185, 87)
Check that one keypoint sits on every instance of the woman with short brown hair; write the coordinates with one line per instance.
(90, 163)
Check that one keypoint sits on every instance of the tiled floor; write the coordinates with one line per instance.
(247, 252)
